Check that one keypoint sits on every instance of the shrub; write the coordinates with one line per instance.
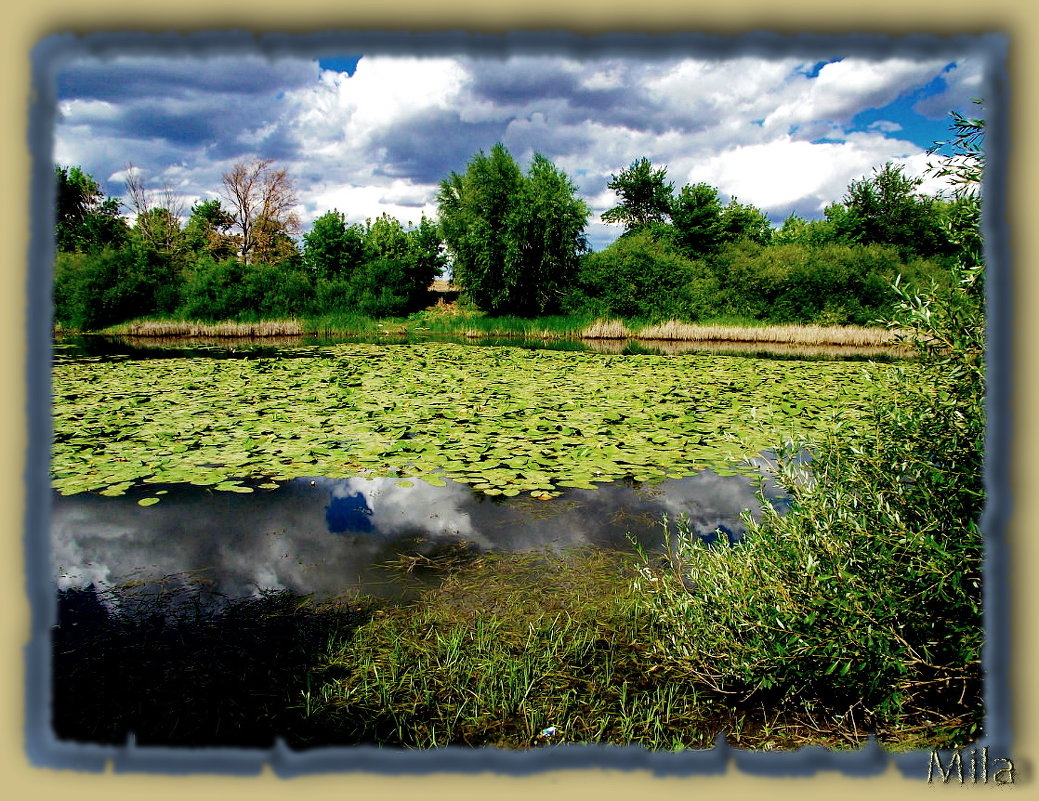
(101, 288)
(864, 599)
(638, 276)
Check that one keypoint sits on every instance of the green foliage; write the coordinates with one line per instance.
(638, 276)
(645, 196)
(158, 229)
(332, 249)
(696, 215)
(384, 288)
(833, 284)
(230, 290)
(864, 600)
(474, 216)
(546, 227)
(214, 290)
(514, 238)
(207, 231)
(513, 651)
(505, 420)
(740, 222)
(797, 230)
(886, 209)
(84, 218)
(107, 286)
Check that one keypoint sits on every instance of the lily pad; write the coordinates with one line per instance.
(504, 420)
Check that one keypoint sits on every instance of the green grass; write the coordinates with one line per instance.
(524, 650)
(514, 650)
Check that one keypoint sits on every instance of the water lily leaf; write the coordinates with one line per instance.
(500, 419)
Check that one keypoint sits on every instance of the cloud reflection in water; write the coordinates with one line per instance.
(324, 536)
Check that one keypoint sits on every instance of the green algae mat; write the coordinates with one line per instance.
(503, 420)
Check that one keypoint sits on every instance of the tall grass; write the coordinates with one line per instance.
(187, 328)
(606, 329)
(785, 334)
(454, 319)
(862, 604)
(348, 323)
(518, 651)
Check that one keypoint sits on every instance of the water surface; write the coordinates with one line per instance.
(327, 537)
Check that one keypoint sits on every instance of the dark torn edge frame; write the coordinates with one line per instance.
(44, 750)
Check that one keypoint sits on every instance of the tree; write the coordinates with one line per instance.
(401, 265)
(385, 237)
(84, 218)
(474, 210)
(887, 209)
(427, 251)
(260, 201)
(158, 230)
(547, 235)
(157, 223)
(964, 169)
(207, 231)
(738, 221)
(645, 196)
(514, 238)
(696, 215)
(272, 243)
(637, 276)
(332, 249)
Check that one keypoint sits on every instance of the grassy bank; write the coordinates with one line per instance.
(449, 319)
(513, 650)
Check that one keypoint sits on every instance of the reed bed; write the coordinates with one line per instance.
(675, 330)
(674, 347)
(606, 329)
(187, 328)
(450, 318)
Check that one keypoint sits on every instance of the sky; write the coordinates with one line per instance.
(376, 132)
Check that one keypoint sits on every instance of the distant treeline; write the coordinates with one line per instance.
(515, 243)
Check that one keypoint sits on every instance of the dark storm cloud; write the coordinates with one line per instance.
(429, 146)
(521, 81)
(563, 93)
(155, 121)
(185, 78)
(181, 111)
(525, 137)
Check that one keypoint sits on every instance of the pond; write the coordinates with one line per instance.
(339, 467)
(330, 536)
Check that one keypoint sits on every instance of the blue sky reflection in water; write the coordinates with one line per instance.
(324, 536)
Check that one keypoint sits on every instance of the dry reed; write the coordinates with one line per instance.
(606, 329)
(788, 334)
(177, 328)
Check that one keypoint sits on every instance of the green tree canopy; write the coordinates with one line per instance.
(886, 208)
(208, 231)
(739, 221)
(159, 229)
(645, 196)
(85, 219)
(696, 215)
(514, 238)
(332, 249)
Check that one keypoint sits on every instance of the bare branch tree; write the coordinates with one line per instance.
(158, 214)
(260, 199)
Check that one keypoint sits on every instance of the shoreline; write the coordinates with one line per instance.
(599, 330)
